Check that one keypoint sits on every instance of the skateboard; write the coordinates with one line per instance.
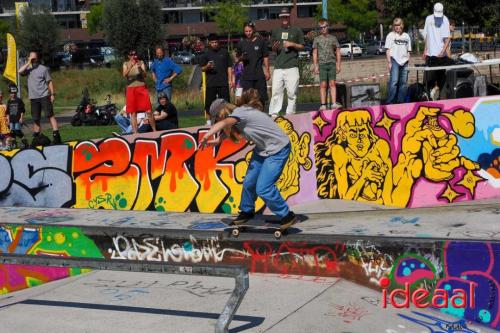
(258, 223)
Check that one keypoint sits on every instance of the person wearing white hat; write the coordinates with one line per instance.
(436, 33)
(437, 39)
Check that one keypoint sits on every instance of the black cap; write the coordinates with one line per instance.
(284, 12)
(213, 37)
(13, 89)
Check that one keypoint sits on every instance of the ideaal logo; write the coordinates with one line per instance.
(441, 298)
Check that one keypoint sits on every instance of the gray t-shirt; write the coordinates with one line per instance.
(258, 127)
(38, 81)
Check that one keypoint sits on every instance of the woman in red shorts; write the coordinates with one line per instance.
(137, 95)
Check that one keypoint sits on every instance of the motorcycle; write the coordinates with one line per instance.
(87, 113)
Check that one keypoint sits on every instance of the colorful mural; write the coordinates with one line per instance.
(461, 264)
(406, 155)
(38, 240)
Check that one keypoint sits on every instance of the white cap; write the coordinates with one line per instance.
(438, 9)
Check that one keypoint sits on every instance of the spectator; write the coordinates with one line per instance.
(238, 69)
(41, 94)
(254, 54)
(286, 42)
(398, 45)
(123, 120)
(15, 111)
(437, 37)
(137, 94)
(326, 52)
(165, 115)
(164, 71)
(271, 152)
(217, 65)
(4, 124)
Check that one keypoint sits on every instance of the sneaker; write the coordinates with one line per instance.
(243, 217)
(56, 139)
(274, 116)
(322, 107)
(289, 220)
(336, 106)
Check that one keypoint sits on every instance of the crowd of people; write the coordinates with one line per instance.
(227, 75)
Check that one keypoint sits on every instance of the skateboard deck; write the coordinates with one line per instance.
(267, 224)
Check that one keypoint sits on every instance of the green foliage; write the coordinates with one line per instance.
(4, 29)
(38, 31)
(94, 18)
(229, 16)
(357, 15)
(305, 72)
(132, 24)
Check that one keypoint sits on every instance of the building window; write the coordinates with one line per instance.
(262, 13)
(306, 11)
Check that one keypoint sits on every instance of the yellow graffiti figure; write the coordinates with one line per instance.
(428, 150)
(288, 183)
(354, 163)
(360, 160)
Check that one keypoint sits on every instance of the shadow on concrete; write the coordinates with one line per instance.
(251, 320)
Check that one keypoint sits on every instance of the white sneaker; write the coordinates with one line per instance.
(209, 123)
(336, 106)
(322, 107)
(274, 116)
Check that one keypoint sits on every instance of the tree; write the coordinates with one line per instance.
(357, 15)
(4, 29)
(229, 16)
(94, 19)
(132, 24)
(38, 31)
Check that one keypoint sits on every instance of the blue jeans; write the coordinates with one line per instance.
(397, 83)
(167, 91)
(262, 174)
(124, 124)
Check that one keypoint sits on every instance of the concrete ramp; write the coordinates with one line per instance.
(442, 248)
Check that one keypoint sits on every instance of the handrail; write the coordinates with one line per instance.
(239, 273)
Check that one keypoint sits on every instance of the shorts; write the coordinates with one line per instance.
(15, 126)
(137, 99)
(328, 72)
(41, 104)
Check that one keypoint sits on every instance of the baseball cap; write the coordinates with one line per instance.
(438, 9)
(284, 12)
(13, 89)
(215, 108)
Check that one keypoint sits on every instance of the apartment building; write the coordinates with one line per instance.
(182, 17)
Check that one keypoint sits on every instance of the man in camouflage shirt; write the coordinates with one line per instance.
(326, 53)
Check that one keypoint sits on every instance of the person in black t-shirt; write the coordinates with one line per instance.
(165, 115)
(15, 111)
(255, 54)
(217, 64)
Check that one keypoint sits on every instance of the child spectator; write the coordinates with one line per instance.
(4, 124)
(15, 111)
(238, 73)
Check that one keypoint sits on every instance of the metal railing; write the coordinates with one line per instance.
(239, 273)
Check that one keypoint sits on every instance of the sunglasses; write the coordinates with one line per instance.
(132, 54)
(323, 26)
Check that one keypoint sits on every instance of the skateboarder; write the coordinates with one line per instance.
(271, 152)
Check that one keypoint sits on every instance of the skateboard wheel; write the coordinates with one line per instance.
(277, 234)
(235, 232)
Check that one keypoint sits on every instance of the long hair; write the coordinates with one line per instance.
(226, 110)
(251, 98)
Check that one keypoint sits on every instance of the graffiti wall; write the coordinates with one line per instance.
(53, 241)
(406, 155)
(438, 265)
(410, 155)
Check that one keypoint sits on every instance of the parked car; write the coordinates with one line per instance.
(376, 47)
(348, 49)
(183, 57)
